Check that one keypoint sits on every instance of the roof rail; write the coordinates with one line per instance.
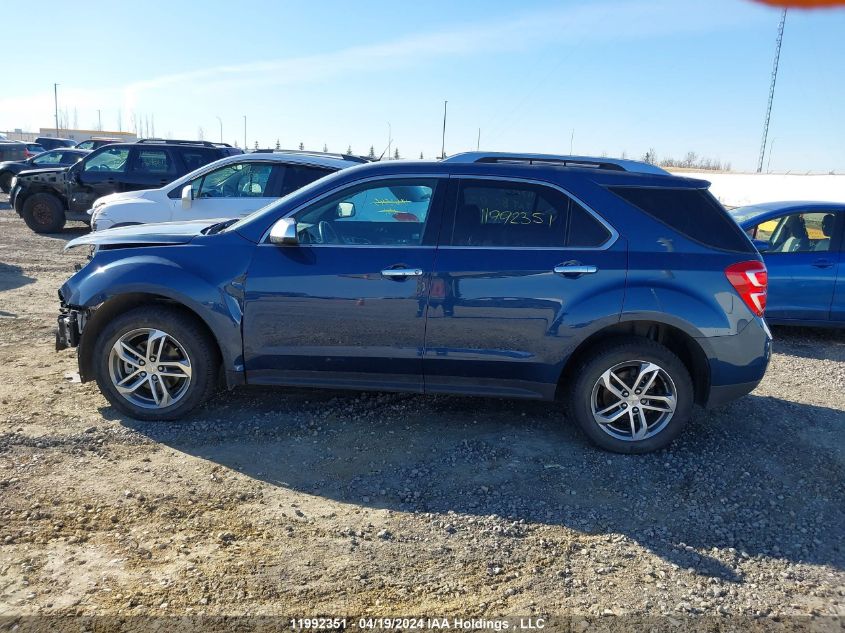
(180, 142)
(352, 158)
(591, 162)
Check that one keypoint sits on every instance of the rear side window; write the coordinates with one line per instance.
(195, 158)
(297, 176)
(153, 161)
(513, 214)
(692, 212)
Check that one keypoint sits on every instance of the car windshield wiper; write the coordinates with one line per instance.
(216, 228)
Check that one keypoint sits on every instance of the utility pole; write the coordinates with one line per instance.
(245, 145)
(99, 121)
(778, 43)
(389, 139)
(220, 121)
(56, 104)
(571, 141)
(443, 142)
(478, 142)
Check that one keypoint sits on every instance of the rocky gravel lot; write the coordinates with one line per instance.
(297, 502)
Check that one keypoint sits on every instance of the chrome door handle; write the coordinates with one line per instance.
(401, 273)
(575, 269)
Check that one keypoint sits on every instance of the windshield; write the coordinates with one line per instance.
(293, 199)
(742, 214)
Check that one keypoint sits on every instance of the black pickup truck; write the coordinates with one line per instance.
(47, 198)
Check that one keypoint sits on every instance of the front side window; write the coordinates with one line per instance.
(85, 145)
(70, 158)
(111, 159)
(48, 158)
(512, 214)
(240, 180)
(795, 233)
(383, 213)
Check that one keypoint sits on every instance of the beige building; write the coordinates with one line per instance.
(76, 135)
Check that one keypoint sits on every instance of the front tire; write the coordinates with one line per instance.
(5, 182)
(631, 395)
(155, 363)
(43, 213)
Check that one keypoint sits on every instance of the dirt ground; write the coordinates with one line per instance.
(299, 502)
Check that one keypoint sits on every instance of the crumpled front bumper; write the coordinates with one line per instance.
(70, 324)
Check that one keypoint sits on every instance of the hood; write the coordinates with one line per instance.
(41, 174)
(163, 234)
(124, 196)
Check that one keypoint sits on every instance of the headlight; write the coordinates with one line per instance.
(14, 182)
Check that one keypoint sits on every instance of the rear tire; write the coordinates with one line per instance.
(43, 213)
(5, 182)
(125, 355)
(631, 395)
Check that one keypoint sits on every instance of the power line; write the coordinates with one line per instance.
(771, 91)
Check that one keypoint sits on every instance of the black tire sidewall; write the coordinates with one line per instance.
(200, 348)
(622, 350)
(5, 182)
(56, 210)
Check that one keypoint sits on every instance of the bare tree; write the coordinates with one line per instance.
(200, 133)
(650, 156)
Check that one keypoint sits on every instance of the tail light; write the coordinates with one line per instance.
(750, 280)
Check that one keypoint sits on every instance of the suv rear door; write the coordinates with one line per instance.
(150, 167)
(523, 269)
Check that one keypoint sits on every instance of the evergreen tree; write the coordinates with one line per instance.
(349, 150)
(372, 153)
(301, 146)
(325, 148)
(256, 144)
(278, 144)
(396, 154)
(421, 156)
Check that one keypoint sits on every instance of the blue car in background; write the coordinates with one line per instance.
(620, 291)
(801, 243)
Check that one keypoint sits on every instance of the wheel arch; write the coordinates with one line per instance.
(121, 304)
(681, 343)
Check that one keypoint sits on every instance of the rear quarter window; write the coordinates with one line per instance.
(694, 213)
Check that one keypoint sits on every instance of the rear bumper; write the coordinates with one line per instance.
(738, 363)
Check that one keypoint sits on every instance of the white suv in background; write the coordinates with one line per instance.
(227, 188)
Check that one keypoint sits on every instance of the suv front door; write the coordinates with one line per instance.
(522, 269)
(231, 191)
(102, 172)
(345, 306)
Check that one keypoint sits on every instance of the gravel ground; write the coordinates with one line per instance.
(299, 502)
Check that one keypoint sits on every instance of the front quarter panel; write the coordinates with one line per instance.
(204, 276)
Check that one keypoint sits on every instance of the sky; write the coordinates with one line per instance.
(614, 77)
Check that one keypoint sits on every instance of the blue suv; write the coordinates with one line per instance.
(625, 293)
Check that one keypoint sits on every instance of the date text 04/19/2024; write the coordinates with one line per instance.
(416, 623)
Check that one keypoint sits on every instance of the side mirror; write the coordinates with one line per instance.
(187, 196)
(345, 209)
(283, 232)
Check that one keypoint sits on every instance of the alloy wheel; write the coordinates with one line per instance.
(634, 400)
(150, 368)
